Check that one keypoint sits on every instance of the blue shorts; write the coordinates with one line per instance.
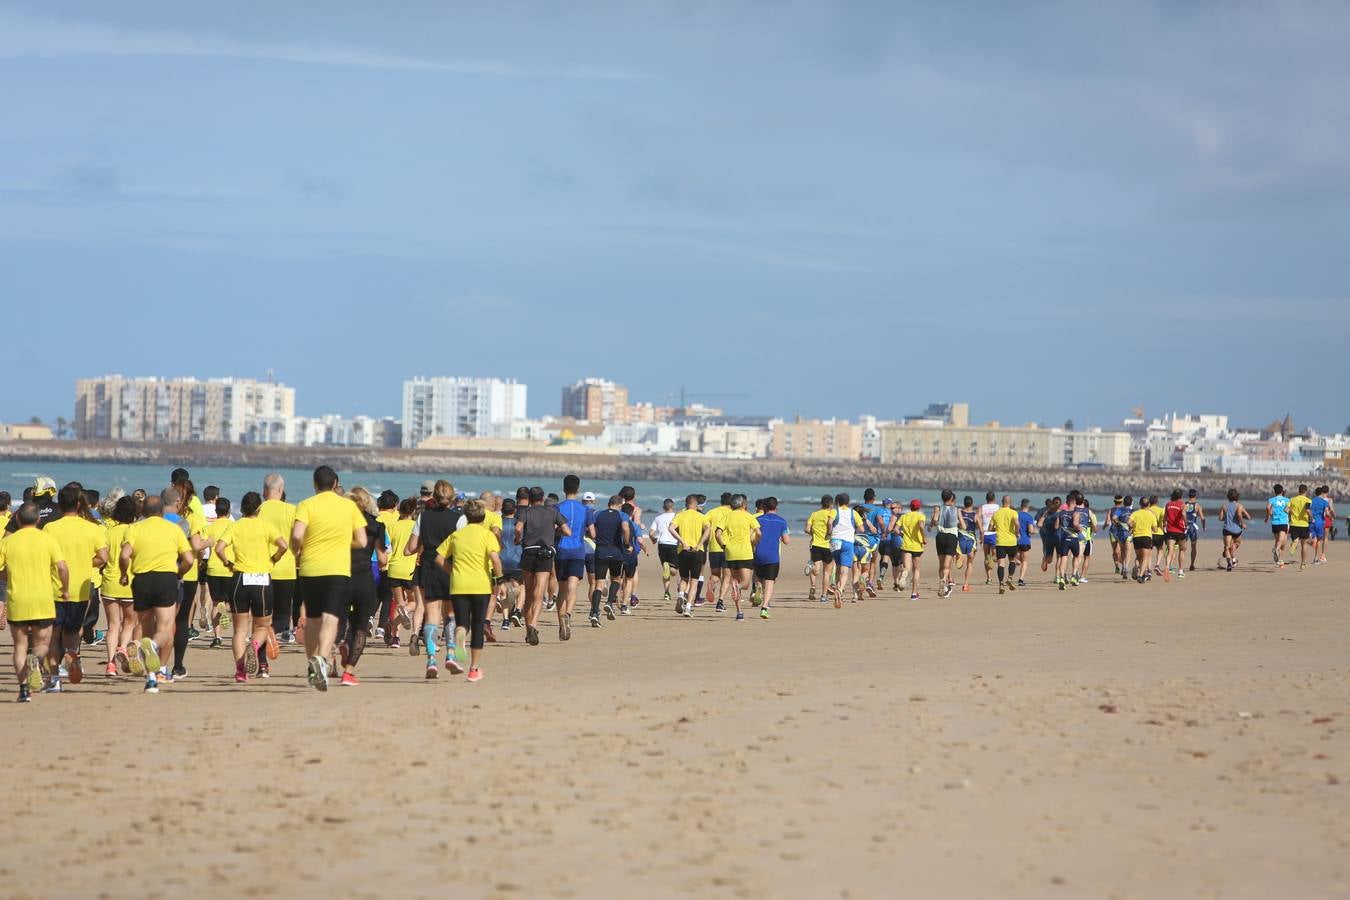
(843, 553)
(1069, 546)
(990, 539)
(590, 563)
(1317, 529)
(569, 568)
(965, 543)
(1049, 543)
(70, 614)
(1192, 533)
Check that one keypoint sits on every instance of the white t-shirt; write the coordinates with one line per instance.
(987, 513)
(661, 528)
(844, 529)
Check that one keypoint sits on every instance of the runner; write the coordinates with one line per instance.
(818, 531)
(470, 555)
(1046, 524)
(1119, 523)
(667, 547)
(588, 501)
(281, 515)
(630, 562)
(718, 574)
(1113, 532)
(692, 531)
(43, 498)
(770, 537)
(1234, 517)
(507, 594)
(1195, 520)
(572, 551)
(1300, 525)
(844, 525)
(328, 527)
(1322, 512)
(629, 495)
(155, 554)
(913, 540)
(1142, 524)
(84, 547)
(121, 618)
(1026, 524)
(1090, 527)
(435, 524)
(736, 532)
(967, 539)
(537, 529)
(218, 577)
(1068, 526)
(248, 550)
(1007, 528)
(947, 521)
(367, 559)
(990, 535)
(32, 563)
(1159, 513)
(188, 513)
(1277, 514)
(613, 533)
(1174, 525)
(402, 568)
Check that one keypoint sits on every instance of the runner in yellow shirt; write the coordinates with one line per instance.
(692, 532)
(281, 514)
(115, 595)
(155, 554)
(218, 577)
(736, 531)
(913, 540)
(718, 573)
(84, 546)
(1300, 524)
(1142, 523)
(1007, 528)
(471, 555)
(818, 530)
(401, 569)
(31, 560)
(247, 550)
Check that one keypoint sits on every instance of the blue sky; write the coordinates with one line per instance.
(832, 208)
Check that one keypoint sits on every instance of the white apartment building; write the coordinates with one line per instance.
(458, 406)
(176, 410)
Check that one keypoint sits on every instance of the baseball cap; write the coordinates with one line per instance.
(916, 503)
(588, 497)
(428, 486)
(459, 495)
(889, 501)
(43, 484)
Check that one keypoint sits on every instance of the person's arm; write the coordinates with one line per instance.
(186, 560)
(1200, 514)
(219, 551)
(707, 533)
(496, 561)
(123, 562)
(444, 562)
(520, 530)
(297, 538)
(63, 576)
(784, 538)
(276, 557)
(414, 546)
(718, 532)
(626, 536)
(564, 530)
(382, 556)
(1270, 510)
(359, 539)
(101, 558)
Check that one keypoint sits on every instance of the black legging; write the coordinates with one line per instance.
(471, 613)
(187, 592)
(283, 599)
(365, 601)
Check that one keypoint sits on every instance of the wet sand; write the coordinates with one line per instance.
(1113, 740)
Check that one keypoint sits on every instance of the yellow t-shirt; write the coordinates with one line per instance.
(688, 523)
(1007, 528)
(912, 536)
(29, 557)
(471, 548)
(251, 542)
(401, 566)
(282, 516)
(1298, 511)
(155, 545)
(4, 521)
(716, 517)
(330, 524)
(1142, 523)
(1159, 513)
(112, 587)
(196, 527)
(818, 523)
(738, 528)
(80, 539)
(214, 533)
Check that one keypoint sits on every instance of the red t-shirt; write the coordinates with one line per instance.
(1176, 517)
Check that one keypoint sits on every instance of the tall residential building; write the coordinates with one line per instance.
(595, 400)
(176, 410)
(456, 406)
(815, 439)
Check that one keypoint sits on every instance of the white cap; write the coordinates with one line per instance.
(589, 496)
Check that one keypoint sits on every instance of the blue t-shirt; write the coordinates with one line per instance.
(637, 533)
(1318, 510)
(511, 551)
(1279, 510)
(1025, 520)
(609, 534)
(574, 545)
(772, 527)
(880, 517)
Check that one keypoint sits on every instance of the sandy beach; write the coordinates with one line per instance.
(1115, 740)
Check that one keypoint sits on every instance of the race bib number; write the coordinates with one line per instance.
(253, 579)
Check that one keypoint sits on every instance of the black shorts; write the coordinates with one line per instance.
(590, 564)
(613, 568)
(513, 575)
(717, 560)
(912, 554)
(1143, 543)
(1278, 529)
(821, 555)
(220, 587)
(630, 567)
(1005, 552)
(1026, 548)
(1158, 541)
(896, 552)
(569, 568)
(946, 544)
(691, 563)
(253, 599)
(70, 614)
(1299, 532)
(738, 564)
(1174, 537)
(404, 583)
(201, 571)
(154, 590)
(668, 554)
(331, 594)
(535, 559)
(767, 571)
(32, 623)
(1087, 548)
(434, 581)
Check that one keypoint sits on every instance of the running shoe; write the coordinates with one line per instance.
(263, 670)
(151, 685)
(318, 673)
(74, 671)
(1000, 588)
(110, 670)
(402, 619)
(720, 607)
(667, 596)
(475, 674)
(149, 654)
(1062, 585)
(1082, 580)
(24, 695)
(811, 595)
(688, 610)
(52, 685)
(135, 664)
(609, 611)
(633, 600)
(453, 666)
(549, 603)
(99, 638)
(914, 596)
(700, 601)
(193, 634)
(740, 616)
(679, 602)
(1181, 573)
(1011, 585)
(624, 611)
(251, 658)
(240, 676)
(756, 596)
(216, 642)
(516, 618)
(349, 680)
(947, 591)
(1021, 582)
(764, 612)
(871, 591)
(532, 635)
(431, 671)
(595, 620)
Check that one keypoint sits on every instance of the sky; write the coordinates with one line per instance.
(1049, 210)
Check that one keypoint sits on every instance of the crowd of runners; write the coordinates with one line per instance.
(343, 568)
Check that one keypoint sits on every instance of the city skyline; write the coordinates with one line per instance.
(1059, 214)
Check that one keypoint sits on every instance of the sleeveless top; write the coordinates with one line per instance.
(949, 519)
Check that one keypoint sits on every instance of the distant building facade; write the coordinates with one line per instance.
(998, 446)
(832, 439)
(596, 400)
(458, 407)
(176, 410)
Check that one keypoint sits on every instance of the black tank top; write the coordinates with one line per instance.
(435, 526)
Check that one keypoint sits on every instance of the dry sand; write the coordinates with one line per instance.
(1184, 740)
